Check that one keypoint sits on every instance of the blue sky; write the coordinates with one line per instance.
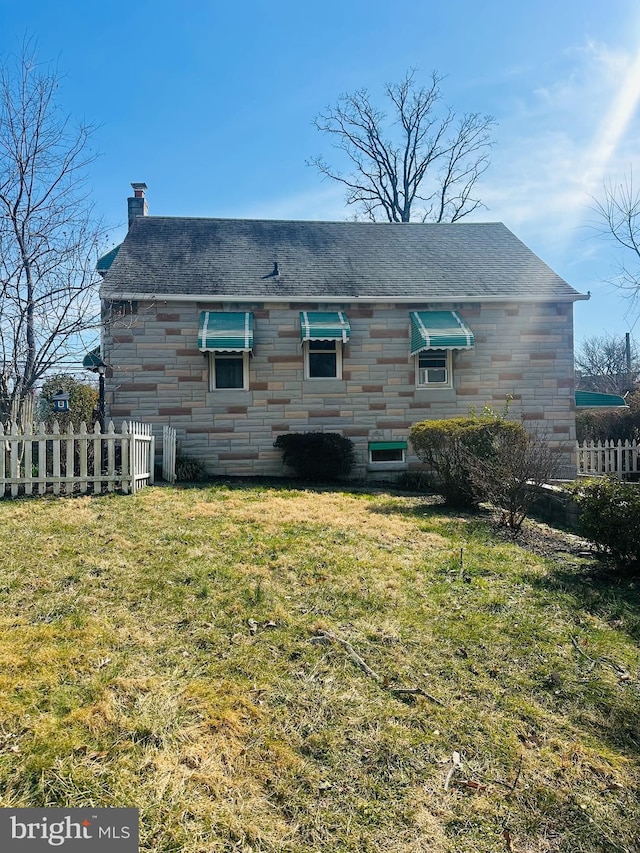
(211, 104)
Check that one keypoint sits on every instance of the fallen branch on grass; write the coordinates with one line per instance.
(416, 691)
(331, 637)
(623, 675)
(518, 772)
(583, 653)
(355, 657)
(456, 765)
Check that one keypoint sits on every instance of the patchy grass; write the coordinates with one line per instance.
(173, 651)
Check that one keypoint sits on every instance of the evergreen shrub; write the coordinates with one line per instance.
(317, 456)
(189, 469)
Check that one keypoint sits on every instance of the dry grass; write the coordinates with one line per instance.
(162, 651)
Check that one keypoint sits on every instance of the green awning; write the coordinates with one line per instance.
(387, 445)
(104, 263)
(594, 400)
(324, 326)
(439, 330)
(92, 359)
(225, 331)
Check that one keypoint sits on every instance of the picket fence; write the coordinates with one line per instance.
(34, 461)
(614, 458)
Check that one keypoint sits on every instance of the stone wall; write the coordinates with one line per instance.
(523, 351)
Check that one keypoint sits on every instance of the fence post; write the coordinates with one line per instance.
(82, 453)
(28, 458)
(125, 451)
(152, 459)
(3, 450)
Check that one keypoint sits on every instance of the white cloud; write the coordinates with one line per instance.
(559, 143)
(324, 203)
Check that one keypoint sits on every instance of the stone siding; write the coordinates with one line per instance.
(157, 375)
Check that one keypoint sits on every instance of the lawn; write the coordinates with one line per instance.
(272, 669)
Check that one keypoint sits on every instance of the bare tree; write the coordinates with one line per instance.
(601, 364)
(619, 215)
(48, 239)
(422, 162)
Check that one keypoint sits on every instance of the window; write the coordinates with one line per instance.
(388, 454)
(323, 359)
(434, 369)
(228, 370)
(323, 334)
(227, 337)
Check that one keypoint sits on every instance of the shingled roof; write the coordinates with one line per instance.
(266, 259)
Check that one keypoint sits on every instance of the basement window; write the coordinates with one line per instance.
(385, 454)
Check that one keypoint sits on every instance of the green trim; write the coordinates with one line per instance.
(387, 445)
(225, 331)
(324, 326)
(439, 330)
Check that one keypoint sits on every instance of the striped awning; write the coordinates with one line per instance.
(324, 326)
(225, 331)
(439, 330)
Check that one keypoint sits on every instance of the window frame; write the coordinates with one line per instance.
(228, 355)
(307, 348)
(448, 367)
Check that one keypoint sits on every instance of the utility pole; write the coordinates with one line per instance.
(627, 339)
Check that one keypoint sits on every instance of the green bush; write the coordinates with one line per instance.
(446, 446)
(610, 510)
(317, 456)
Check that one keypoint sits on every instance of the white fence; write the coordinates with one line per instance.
(617, 459)
(169, 454)
(34, 461)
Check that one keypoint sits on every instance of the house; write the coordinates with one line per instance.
(234, 331)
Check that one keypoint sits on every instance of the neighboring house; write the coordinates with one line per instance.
(234, 331)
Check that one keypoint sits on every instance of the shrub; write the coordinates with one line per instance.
(447, 445)
(610, 510)
(414, 481)
(510, 477)
(189, 469)
(317, 456)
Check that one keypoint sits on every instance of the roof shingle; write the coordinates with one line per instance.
(235, 257)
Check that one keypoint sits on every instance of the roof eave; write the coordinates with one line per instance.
(335, 297)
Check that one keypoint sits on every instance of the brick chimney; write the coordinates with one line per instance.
(137, 205)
